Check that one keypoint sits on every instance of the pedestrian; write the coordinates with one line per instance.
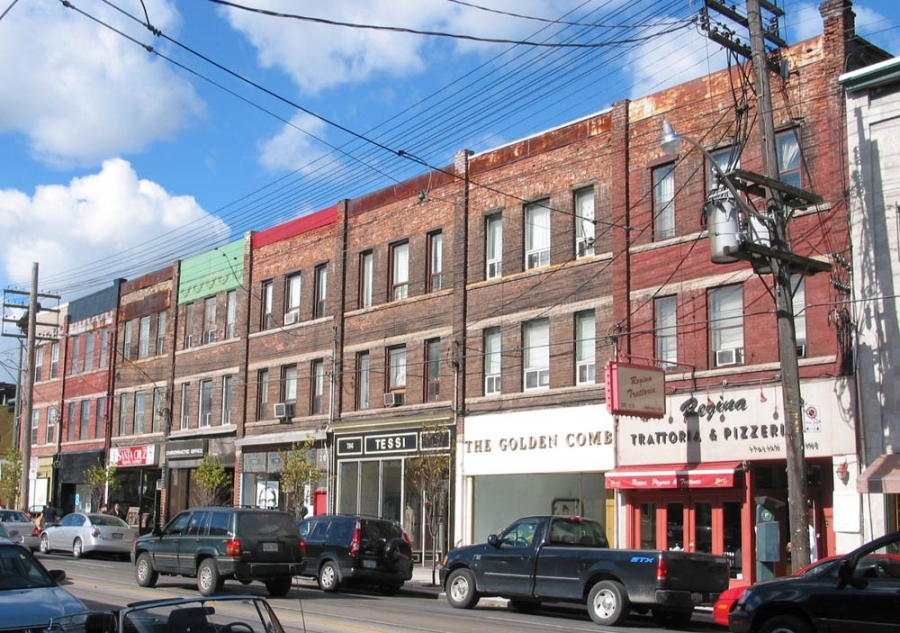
(116, 512)
(103, 508)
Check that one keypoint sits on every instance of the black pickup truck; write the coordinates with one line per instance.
(568, 559)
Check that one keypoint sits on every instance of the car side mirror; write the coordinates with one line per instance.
(58, 575)
(845, 573)
(494, 540)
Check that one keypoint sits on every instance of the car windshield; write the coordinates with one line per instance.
(106, 519)
(12, 516)
(20, 570)
(267, 524)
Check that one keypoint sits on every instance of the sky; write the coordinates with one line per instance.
(123, 147)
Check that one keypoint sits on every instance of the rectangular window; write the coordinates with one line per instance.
(663, 202)
(100, 418)
(433, 370)
(727, 159)
(292, 287)
(321, 291)
(492, 361)
(85, 419)
(400, 271)
(38, 362)
(726, 325)
(289, 383)
(536, 344)
(788, 151)
(493, 246)
(366, 278)
(266, 291)
(262, 394)
(206, 395)
(585, 348)
(123, 413)
(397, 367)
(317, 388)
(71, 422)
(162, 319)
(185, 406)
(127, 341)
(209, 320)
(157, 410)
(584, 222)
(231, 314)
(537, 234)
(140, 411)
(35, 424)
(89, 351)
(104, 349)
(798, 289)
(54, 360)
(435, 263)
(189, 341)
(227, 396)
(76, 354)
(144, 337)
(666, 332)
(362, 380)
(51, 425)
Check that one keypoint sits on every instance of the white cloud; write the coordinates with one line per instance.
(293, 148)
(79, 92)
(95, 217)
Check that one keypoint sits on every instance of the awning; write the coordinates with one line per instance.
(882, 475)
(673, 476)
(280, 438)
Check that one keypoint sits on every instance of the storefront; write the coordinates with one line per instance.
(74, 493)
(183, 457)
(39, 491)
(136, 476)
(533, 462)
(697, 478)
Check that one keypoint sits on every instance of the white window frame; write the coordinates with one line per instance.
(435, 261)
(35, 425)
(230, 314)
(536, 355)
(289, 383)
(493, 361)
(584, 222)
(798, 301)
(585, 348)
(787, 150)
(51, 425)
(143, 337)
(666, 331)
(89, 351)
(317, 401)
(364, 376)
(185, 406)
(266, 299)
(206, 397)
(162, 323)
(724, 159)
(663, 202)
(366, 278)
(227, 397)
(400, 271)
(320, 291)
(397, 367)
(38, 362)
(209, 320)
(84, 422)
(726, 321)
(54, 360)
(157, 414)
(537, 234)
(123, 413)
(493, 246)
(293, 286)
(140, 410)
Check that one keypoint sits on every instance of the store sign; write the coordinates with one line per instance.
(397, 443)
(638, 390)
(186, 449)
(126, 456)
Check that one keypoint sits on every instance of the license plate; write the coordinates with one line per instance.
(117, 535)
(270, 547)
(369, 564)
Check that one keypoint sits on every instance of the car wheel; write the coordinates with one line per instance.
(672, 619)
(144, 573)
(45, 544)
(524, 606)
(785, 624)
(329, 576)
(608, 603)
(208, 579)
(77, 549)
(461, 590)
(279, 586)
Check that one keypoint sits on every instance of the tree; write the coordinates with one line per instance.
(298, 471)
(214, 482)
(100, 477)
(429, 472)
(11, 476)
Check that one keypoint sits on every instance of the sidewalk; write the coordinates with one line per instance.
(421, 582)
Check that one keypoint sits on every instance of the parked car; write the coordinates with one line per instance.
(30, 596)
(14, 537)
(858, 592)
(86, 533)
(18, 521)
(349, 549)
(215, 544)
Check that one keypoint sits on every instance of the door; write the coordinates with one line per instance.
(165, 548)
(192, 541)
(509, 568)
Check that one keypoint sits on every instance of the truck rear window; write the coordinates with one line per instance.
(577, 531)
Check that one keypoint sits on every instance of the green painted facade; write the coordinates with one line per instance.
(208, 274)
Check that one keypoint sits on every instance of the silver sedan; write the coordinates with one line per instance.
(85, 533)
(17, 523)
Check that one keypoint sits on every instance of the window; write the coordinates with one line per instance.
(366, 277)
(317, 388)
(664, 202)
(585, 348)
(38, 362)
(433, 370)
(292, 288)
(76, 354)
(89, 351)
(227, 396)
(262, 394)
(157, 410)
(129, 337)
(536, 337)
(265, 293)
(400, 271)
(54, 360)
(140, 407)
(104, 349)
(206, 394)
(189, 326)
(788, 150)
(35, 423)
(161, 325)
(209, 320)
(144, 337)
(289, 383)
(727, 160)
(100, 418)
(362, 380)
(85, 419)
(185, 405)
(70, 423)
(51, 425)
(492, 360)
(537, 234)
(493, 246)
(727, 325)
(798, 288)
(321, 291)
(230, 314)
(584, 222)
(435, 261)
(666, 339)
(397, 367)
(123, 413)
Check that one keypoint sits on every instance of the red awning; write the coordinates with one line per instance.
(673, 476)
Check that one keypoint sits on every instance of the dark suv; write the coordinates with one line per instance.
(352, 549)
(215, 544)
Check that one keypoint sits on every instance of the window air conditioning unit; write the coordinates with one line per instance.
(494, 269)
(585, 247)
(393, 399)
(729, 356)
(801, 350)
(291, 317)
(284, 410)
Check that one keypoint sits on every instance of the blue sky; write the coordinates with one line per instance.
(114, 161)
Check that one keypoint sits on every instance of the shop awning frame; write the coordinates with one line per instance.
(674, 476)
(881, 476)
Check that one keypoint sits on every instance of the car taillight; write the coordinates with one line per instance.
(95, 532)
(233, 548)
(407, 539)
(36, 531)
(354, 544)
(302, 548)
(662, 569)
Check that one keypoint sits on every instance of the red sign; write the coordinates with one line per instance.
(133, 455)
(637, 390)
(673, 476)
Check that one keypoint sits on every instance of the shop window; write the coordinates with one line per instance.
(648, 526)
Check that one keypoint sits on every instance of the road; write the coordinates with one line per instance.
(105, 582)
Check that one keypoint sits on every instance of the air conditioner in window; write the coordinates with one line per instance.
(291, 317)
(585, 247)
(491, 385)
(801, 349)
(494, 269)
(393, 399)
(729, 356)
(284, 410)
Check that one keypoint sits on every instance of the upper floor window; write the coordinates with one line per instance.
(104, 348)
(140, 411)
(493, 246)
(35, 423)
(536, 344)
(144, 337)
(206, 398)
(584, 222)
(321, 291)
(51, 425)
(38, 362)
(397, 367)
(292, 299)
(227, 397)
(787, 148)
(85, 419)
(157, 413)
(585, 348)
(366, 278)
(400, 271)
(100, 418)
(209, 320)
(726, 325)
(362, 380)
(189, 326)
(266, 295)
(76, 354)
(433, 370)
(162, 319)
(71, 422)
(262, 394)
(289, 383)
(185, 406)
(54, 360)
(435, 261)
(89, 350)
(537, 234)
(230, 314)
(798, 288)
(492, 361)
(317, 388)
(666, 331)
(123, 413)
(726, 159)
(663, 202)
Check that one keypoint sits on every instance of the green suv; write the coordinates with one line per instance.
(215, 544)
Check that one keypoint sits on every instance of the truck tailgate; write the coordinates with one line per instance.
(689, 571)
